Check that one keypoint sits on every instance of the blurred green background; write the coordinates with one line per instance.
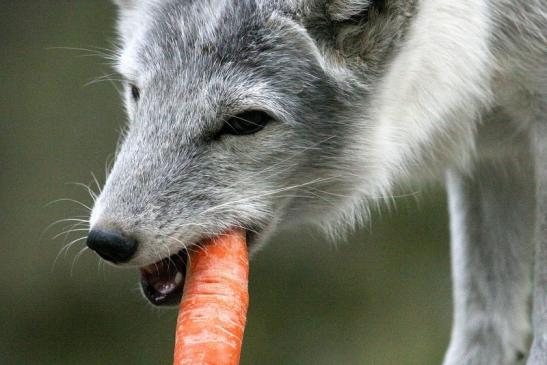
(383, 297)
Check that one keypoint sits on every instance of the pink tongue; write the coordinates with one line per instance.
(166, 287)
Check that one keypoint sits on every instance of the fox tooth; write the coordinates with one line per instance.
(178, 278)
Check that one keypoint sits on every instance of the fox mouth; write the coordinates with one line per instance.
(162, 282)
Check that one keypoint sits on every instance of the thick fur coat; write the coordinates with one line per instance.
(364, 96)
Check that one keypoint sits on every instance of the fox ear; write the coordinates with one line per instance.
(340, 10)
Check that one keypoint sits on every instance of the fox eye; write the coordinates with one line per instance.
(245, 123)
(135, 93)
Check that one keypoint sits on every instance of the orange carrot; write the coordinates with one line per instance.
(213, 309)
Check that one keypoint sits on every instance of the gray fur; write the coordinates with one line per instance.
(366, 96)
(491, 212)
(538, 354)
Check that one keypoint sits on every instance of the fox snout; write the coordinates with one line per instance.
(113, 246)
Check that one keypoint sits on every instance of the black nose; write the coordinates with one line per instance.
(112, 246)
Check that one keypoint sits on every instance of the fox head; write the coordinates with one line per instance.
(264, 114)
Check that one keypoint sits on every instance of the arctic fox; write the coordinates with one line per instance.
(264, 114)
